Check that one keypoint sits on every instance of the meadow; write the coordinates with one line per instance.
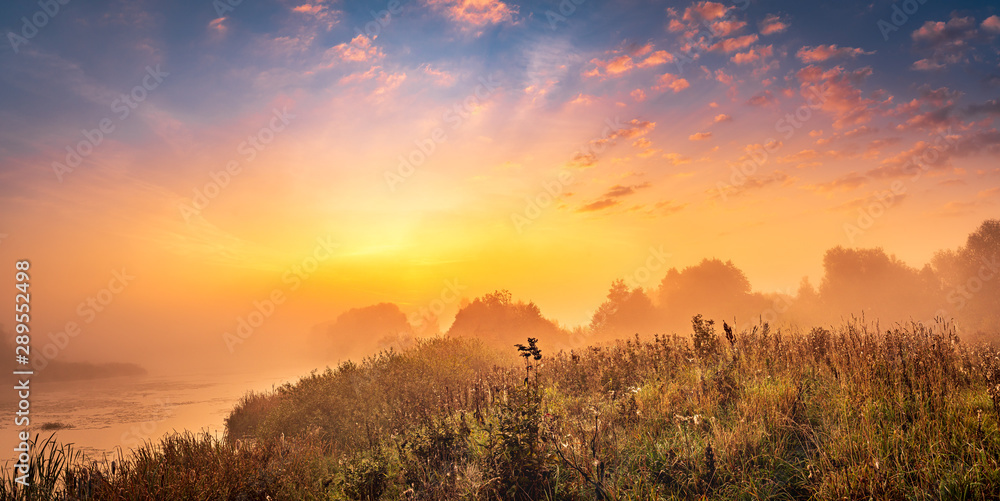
(853, 412)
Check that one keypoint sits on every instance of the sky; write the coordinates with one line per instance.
(172, 169)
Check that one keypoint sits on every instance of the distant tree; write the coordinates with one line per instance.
(360, 331)
(881, 286)
(626, 312)
(718, 290)
(497, 318)
(970, 276)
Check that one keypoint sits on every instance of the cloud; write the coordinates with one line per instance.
(734, 44)
(945, 43)
(753, 55)
(849, 181)
(218, 25)
(474, 15)
(599, 205)
(926, 65)
(753, 183)
(611, 197)
(802, 156)
(359, 50)
(722, 117)
(320, 12)
(583, 99)
(839, 93)
(922, 156)
(657, 58)
(668, 207)
(771, 25)
(672, 82)
(991, 24)
(764, 98)
(642, 143)
(634, 128)
(705, 11)
(700, 136)
(639, 95)
(675, 159)
(991, 107)
(613, 67)
(440, 77)
(726, 27)
(822, 53)
(875, 198)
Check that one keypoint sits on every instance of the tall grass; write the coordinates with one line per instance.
(855, 412)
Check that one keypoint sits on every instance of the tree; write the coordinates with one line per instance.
(626, 312)
(970, 276)
(716, 289)
(869, 281)
(497, 318)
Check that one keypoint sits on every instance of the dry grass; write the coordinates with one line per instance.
(850, 413)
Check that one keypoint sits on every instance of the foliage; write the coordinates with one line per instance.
(849, 412)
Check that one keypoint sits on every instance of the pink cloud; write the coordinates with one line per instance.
(440, 77)
(360, 49)
(657, 58)
(613, 67)
(771, 25)
(476, 13)
(821, 53)
(727, 27)
(840, 95)
(700, 136)
(753, 55)
(308, 9)
(991, 23)
(734, 44)
(705, 11)
(218, 24)
(672, 82)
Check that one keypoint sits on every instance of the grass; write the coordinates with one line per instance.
(850, 413)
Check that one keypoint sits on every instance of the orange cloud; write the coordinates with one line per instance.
(440, 77)
(753, 55)
(615, 66)
(734, 44)
(308, 9)
(840, 95)
(771, 25)
(822, 53)
(705, 11)
(672, 82)
(700, 136)
(476, 13)
(657, 58)
(359, 50)
(727, 27)
(218, 24)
